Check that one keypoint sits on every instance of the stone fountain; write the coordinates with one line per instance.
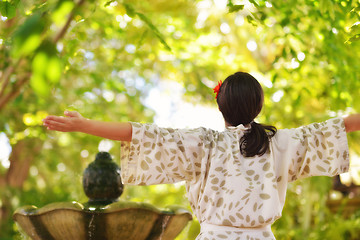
(103, 217)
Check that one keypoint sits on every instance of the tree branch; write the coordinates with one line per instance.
(6, 79)
(68, 21)
(15, 90)
(7, 74)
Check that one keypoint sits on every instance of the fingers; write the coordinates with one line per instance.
(72, 114)
(55, 125)
(63, 124)
(55, 119)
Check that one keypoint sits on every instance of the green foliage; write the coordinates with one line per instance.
(61, 11)
(234, 7)
(8, 8)
(102, 58)
(47, 69)
(132, 13)
(27, 38)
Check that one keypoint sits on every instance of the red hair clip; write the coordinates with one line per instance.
(217, 89)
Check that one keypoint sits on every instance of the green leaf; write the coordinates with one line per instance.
(355, 29)
(7, 9)
(154, 30)
(354, 33)
(108, 3)
(274, 78)
(142, 38)
(31, 43)
(54, 69)
(28, 36)
(39, 63)
(47, 66)
(60, 14)
(130, 11)
(327, 6)
(355, 10)
(354, 38)
(251, 20)
(39, 85)
(48, 47)
(235, 8)
(254, 2)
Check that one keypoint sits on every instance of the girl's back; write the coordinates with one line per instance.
(233, 196)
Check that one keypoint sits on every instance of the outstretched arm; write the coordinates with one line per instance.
(352, 122)
(74, 122)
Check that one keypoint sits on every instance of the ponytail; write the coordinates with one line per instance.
(255, 140)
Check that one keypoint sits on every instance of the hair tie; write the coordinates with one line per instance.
(217, 89)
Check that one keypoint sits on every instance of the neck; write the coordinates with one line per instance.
(229, 125)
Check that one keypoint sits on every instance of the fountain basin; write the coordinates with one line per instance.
(119, 220)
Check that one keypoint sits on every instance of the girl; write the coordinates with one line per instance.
(236, 179)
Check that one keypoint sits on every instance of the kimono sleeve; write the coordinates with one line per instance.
(161, 155)
(319, 149)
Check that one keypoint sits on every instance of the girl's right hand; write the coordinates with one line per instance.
(72, 122)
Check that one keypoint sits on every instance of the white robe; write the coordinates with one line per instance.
(232, 196)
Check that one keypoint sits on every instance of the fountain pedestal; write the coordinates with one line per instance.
(99, 220)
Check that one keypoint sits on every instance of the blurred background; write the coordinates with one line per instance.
(157, 61)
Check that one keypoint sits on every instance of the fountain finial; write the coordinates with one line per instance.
(101, 180)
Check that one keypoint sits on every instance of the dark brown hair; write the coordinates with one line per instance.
(240, 100)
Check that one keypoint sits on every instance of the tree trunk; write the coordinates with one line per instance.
(21, 158)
